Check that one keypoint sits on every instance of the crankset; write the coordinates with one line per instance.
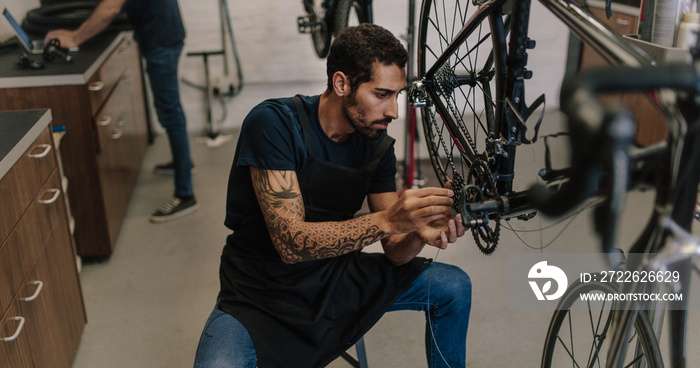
(485, 237)
(469, 201)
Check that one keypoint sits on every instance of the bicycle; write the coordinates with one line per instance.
(474, 112)
(673, 170)
(471, 89)
(325, 18)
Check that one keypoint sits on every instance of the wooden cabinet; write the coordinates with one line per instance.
(107, 134)
(651, 124)
(42, 315)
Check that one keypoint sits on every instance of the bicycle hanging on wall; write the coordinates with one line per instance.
(325, 18)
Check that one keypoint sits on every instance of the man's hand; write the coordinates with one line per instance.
(440, 233)
(419, 207)
(64, 36)
(100, 18)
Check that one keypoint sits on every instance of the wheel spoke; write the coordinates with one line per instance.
(588, 326)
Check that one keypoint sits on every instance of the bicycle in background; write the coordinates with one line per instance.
(325, 18)
(626, 333)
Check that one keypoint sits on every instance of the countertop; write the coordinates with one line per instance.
(18, 129)
(57, 72)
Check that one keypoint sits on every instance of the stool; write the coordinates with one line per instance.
(361, 361)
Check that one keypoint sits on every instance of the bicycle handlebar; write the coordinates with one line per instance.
(601, 137)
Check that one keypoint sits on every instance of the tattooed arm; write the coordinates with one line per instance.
(296, 240)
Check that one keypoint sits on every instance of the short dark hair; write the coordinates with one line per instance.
(355, 49)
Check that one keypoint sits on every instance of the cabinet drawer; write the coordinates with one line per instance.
(114, 127)
(100, 85)
(21, 183)
(17, 351)
(50, 302)
(24, 244)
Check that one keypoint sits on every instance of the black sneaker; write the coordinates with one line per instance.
(168, 169)
(173, 209)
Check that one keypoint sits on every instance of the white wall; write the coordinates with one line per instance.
(271, 50)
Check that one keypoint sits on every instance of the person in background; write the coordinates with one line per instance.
(159, 31)
(296, 290)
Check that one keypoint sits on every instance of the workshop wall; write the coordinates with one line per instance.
(272, 51)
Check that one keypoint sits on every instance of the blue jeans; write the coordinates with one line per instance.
(161, 64)
(442, 291)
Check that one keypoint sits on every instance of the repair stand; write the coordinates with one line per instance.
(214, 138)
(226, 86)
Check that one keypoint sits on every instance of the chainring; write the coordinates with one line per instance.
(480, 176)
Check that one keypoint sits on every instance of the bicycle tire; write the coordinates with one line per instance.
(558, 349)
(464, 74)
(321, 34)
(348, 13)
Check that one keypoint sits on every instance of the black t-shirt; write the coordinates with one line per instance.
(272, 138)
(156, 22)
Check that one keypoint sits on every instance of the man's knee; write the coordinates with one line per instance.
(456, 285)
(455, 279)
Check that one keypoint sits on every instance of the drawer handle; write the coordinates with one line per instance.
(47, 149)
(117, 133)
(53, 198)
(19, 329)
(39, 286)
(104, 120)
(96, 86)
(121, 122)
(622, 22)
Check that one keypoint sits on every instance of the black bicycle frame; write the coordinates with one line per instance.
(509, 68)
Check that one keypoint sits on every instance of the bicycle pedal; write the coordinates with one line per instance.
(306, 25)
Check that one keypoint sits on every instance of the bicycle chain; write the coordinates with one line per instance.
(444, 76)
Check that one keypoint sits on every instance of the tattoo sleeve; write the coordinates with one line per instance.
(282, 205)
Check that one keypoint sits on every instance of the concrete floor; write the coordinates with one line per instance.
(147, 304)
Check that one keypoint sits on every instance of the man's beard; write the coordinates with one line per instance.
(358, 119)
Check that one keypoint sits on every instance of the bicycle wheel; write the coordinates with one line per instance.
(348, 13)
(579, 332)
(462, 71)
(321, 34)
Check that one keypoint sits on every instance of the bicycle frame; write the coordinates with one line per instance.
(509, 75)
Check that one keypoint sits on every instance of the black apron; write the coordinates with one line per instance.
(306, 314)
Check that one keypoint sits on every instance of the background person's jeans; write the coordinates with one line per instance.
(161, 65)
(442, 290)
